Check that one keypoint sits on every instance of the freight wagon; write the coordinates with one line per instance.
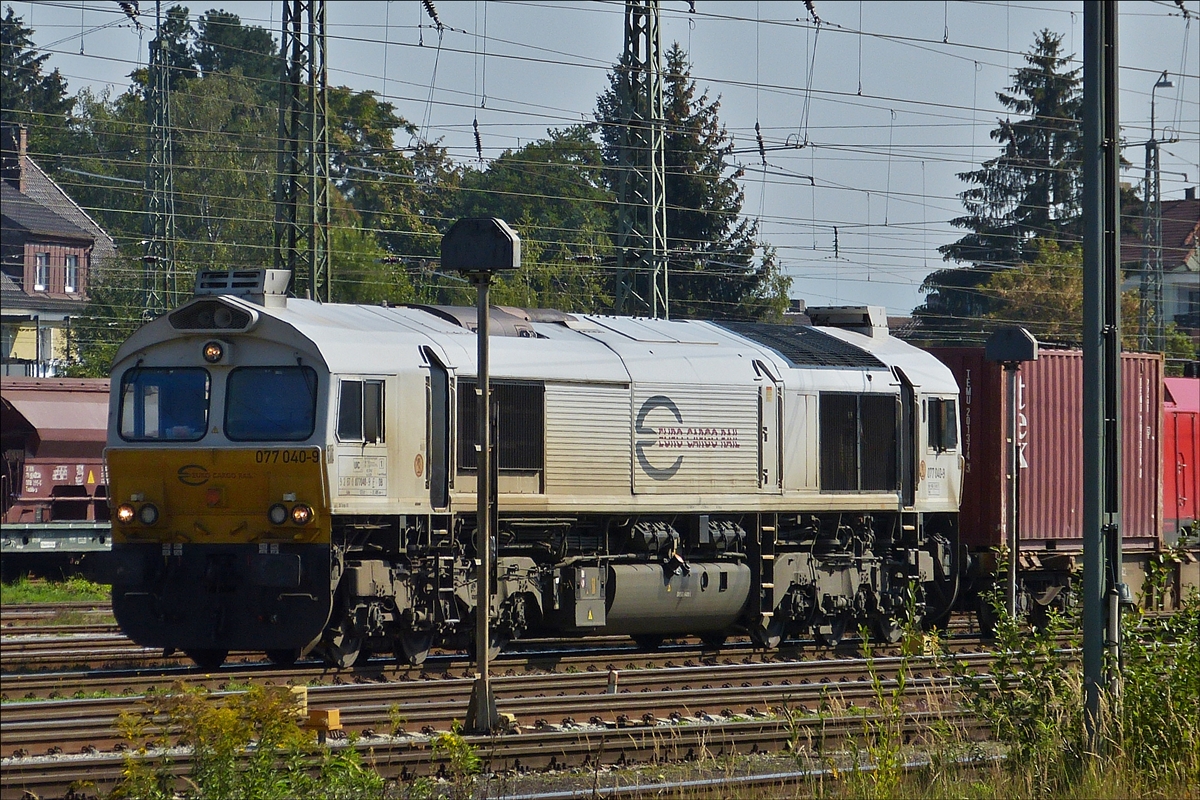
(55, 500)
(1050, 470)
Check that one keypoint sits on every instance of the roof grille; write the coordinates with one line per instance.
(266, 287)
(803, 346)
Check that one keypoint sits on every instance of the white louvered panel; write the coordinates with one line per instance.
(695, 439)
(587, 440)
(799, 441)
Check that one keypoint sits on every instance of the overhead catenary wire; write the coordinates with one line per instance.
(815, 158)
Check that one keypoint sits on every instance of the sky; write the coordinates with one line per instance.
(866, 118)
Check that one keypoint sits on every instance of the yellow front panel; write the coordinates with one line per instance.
(219, 496)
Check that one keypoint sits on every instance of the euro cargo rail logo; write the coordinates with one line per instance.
(193, 475)
(676, 437)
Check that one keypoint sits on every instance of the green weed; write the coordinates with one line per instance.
(23, 590)
(245, 745)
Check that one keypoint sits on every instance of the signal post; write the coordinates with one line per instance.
(480, 247)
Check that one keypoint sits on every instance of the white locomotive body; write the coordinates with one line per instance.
(653, 477)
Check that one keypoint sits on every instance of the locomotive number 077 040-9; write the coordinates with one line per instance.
(286, 456)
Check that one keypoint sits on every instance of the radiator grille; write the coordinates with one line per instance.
(858, 442)
(520, 425)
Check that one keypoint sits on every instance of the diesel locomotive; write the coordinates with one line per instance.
(299, 478)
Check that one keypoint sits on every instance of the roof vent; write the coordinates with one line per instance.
(867, 320)
(506, 321)
(266, 287)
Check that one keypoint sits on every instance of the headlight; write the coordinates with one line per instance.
(148, 514)
(301, 514)
(278, 514)
(125, 513)
(213, 352)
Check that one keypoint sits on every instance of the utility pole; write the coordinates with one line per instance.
(641, 193)
(1152, 328)
(158, 255)
(1103, 589)
(302, 190)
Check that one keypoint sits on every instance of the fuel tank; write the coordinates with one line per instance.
(644, 598)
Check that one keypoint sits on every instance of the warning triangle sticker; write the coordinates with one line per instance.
(91, 477)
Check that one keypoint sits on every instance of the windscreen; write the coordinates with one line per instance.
(265, 404)
(164, 404)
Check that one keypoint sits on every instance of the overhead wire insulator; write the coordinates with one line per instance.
(812, 11)
(433, 15)
(762, 150)
(131, 9)
(478, 141)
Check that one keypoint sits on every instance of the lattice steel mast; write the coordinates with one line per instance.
(159, 288)
(1152, 325)
(641, 194)
(302, 191)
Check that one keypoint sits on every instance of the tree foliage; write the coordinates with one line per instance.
(392, 201)
(552, 192)
(711, 248)
(1028, 195)
(1046, 297)
(29, 95)
(223, 44)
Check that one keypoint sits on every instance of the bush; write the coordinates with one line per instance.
(246, 745)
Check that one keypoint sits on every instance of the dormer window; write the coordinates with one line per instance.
(72, 279)
(41, 271)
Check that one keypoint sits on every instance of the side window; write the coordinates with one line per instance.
(943, 424)
(360, 411)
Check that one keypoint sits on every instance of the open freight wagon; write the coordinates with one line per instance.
(1050, 475)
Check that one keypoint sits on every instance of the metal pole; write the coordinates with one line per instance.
(1101, 345)
(482, 716)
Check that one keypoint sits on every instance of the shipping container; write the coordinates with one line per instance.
(1050, 449)
(1181, 454)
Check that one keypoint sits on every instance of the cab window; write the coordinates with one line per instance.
(943, 425)
(265, 404)
(164, 404)
(360, 411)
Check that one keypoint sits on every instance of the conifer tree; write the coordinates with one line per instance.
(1028, 194)
(711, 263)
(28, 94)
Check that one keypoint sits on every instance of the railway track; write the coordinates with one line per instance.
(652, 710)
(37, 646)
(531, 657)
(537, 700)
(538, 750)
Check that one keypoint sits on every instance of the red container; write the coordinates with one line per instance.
(1050, 443)
(1181, 454)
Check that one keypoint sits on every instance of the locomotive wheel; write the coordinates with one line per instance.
(284, 657)
(496, 645)
(886, 628)
(648, 641)
(207, 658)
(413, 648)
(770, 635)
(341, 647)
(831, 631)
